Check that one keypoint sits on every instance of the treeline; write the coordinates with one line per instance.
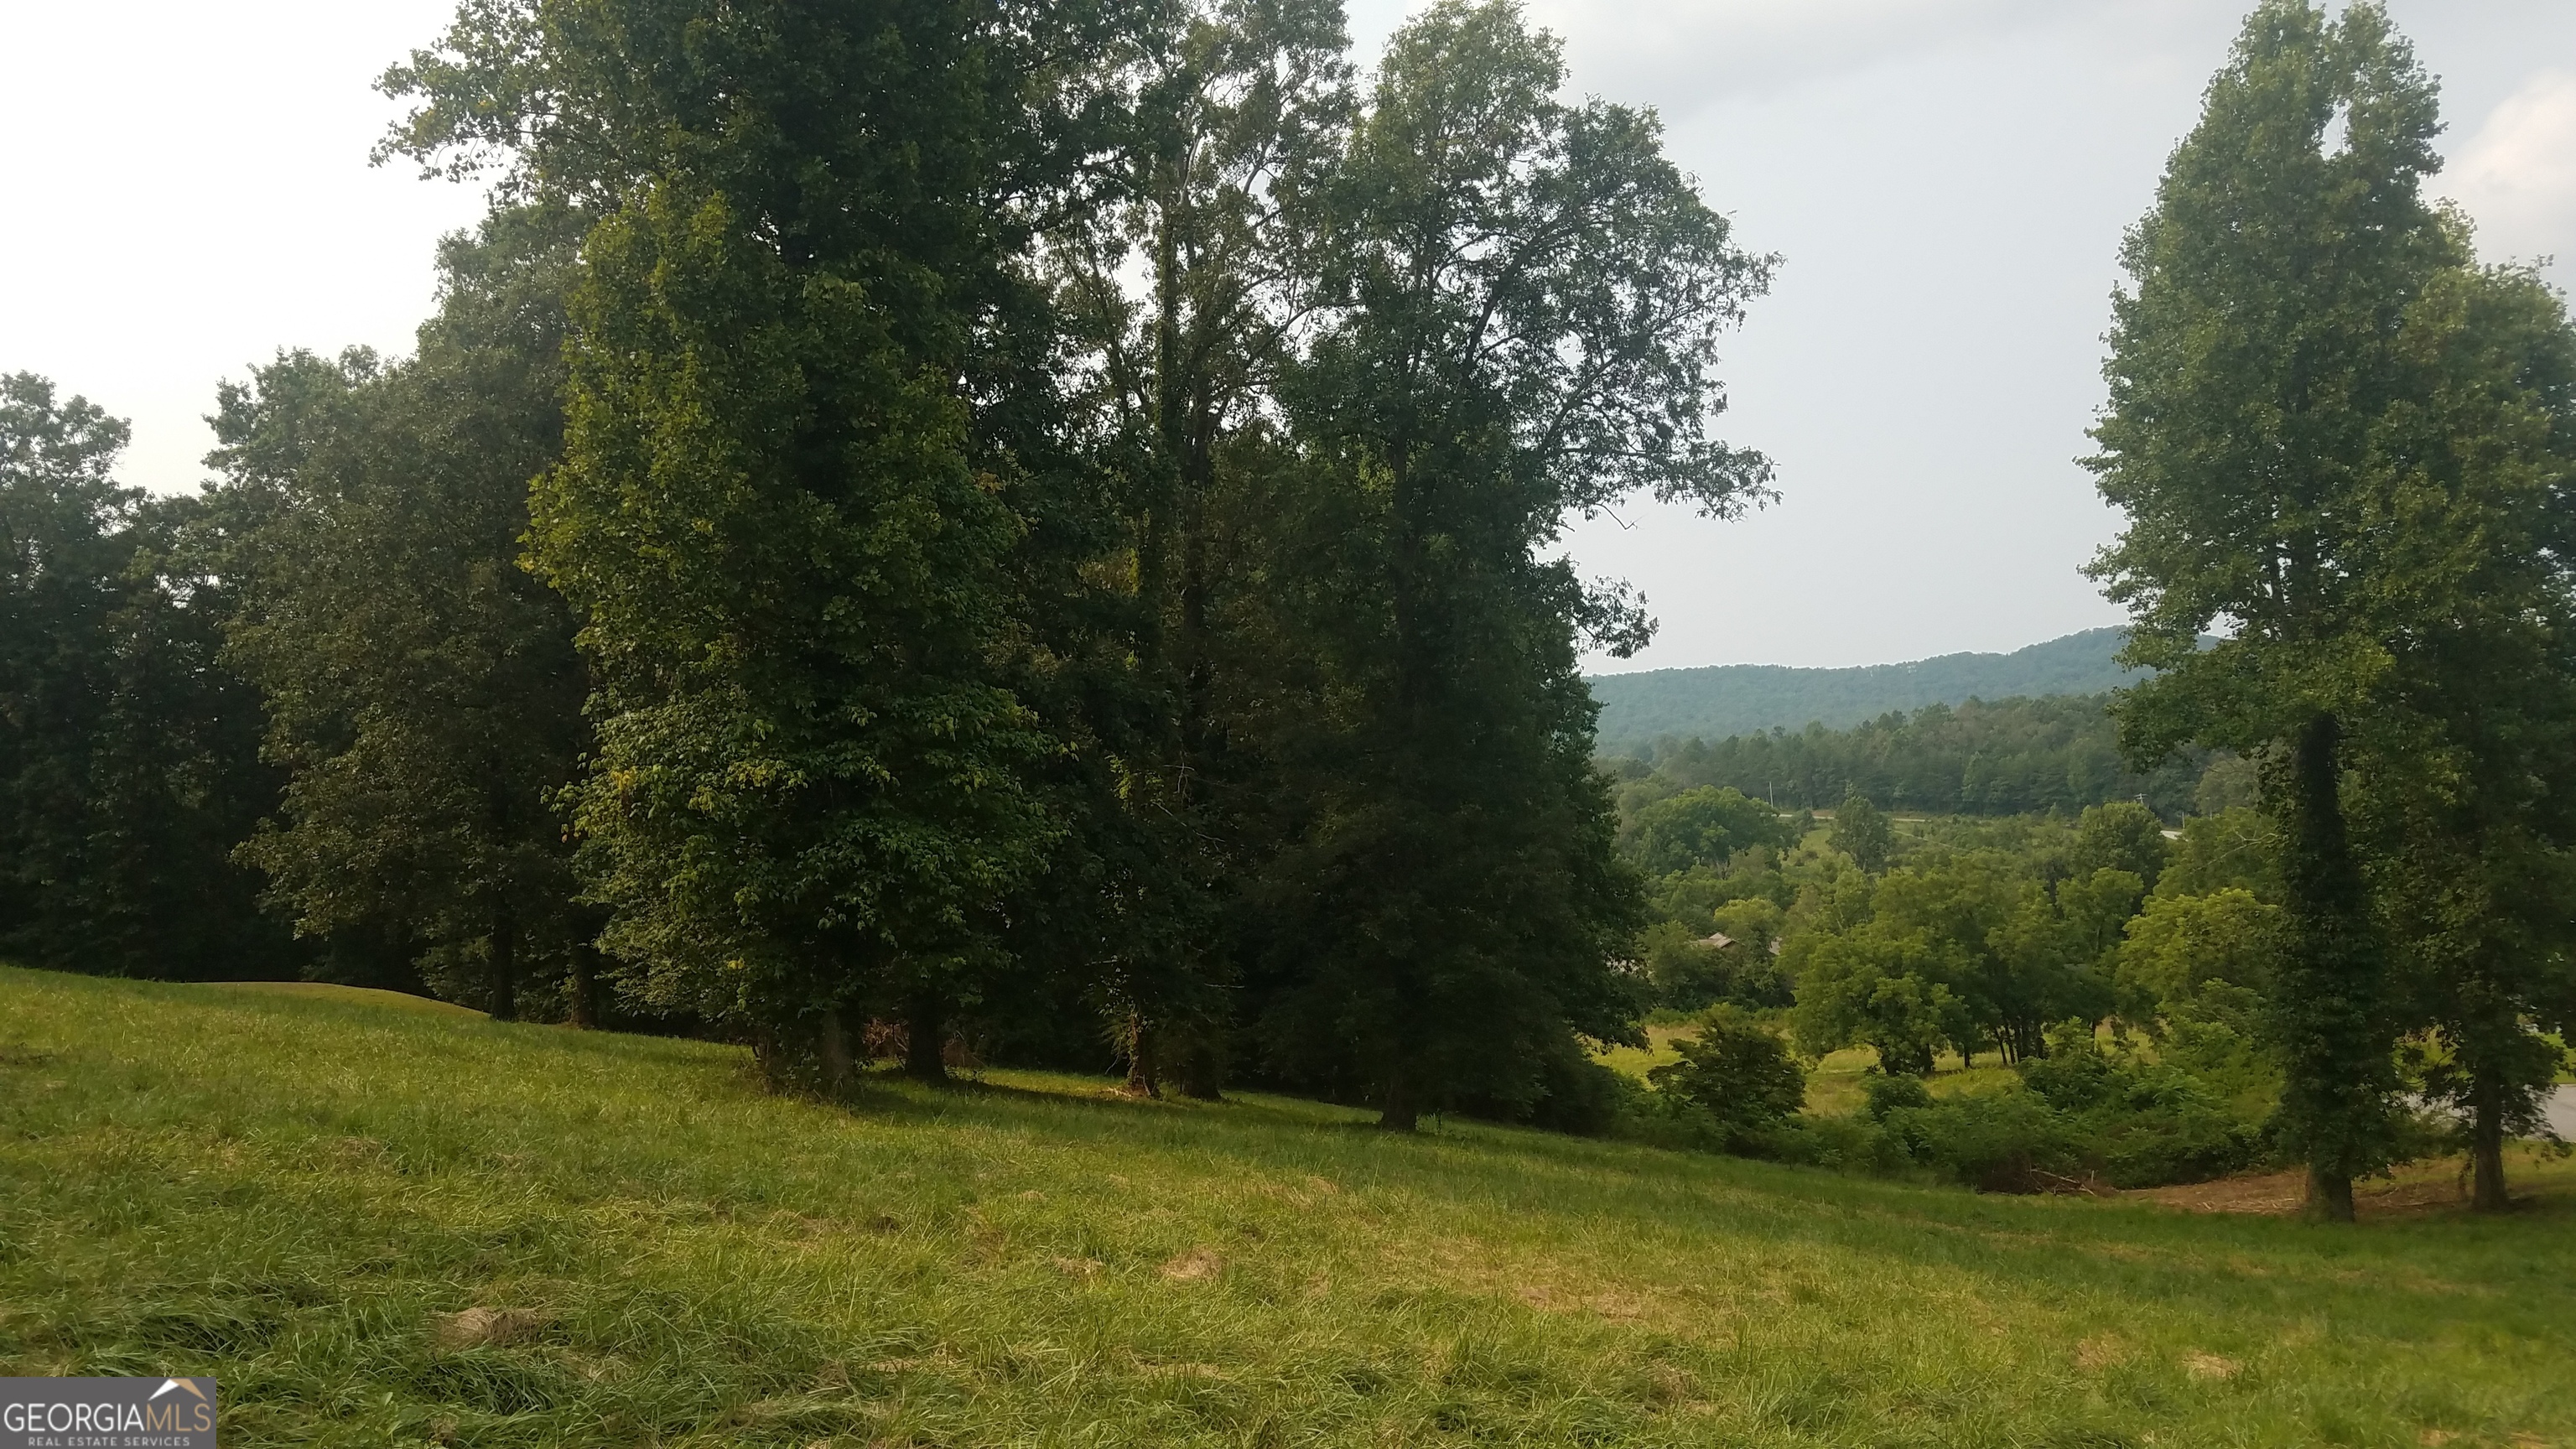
(129, 752)
(2010, 757)
(918, 527)
(2018, 939)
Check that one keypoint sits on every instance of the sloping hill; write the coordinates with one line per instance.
(1735, 699)
(378, 1226)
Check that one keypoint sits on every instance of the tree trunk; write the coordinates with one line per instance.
(2329, 1195)
(833, 1045)
(925, 1032)
(1399, 1113)
(2335, 1046)
(2486, 1150)
(585, 986)
(1142, 1078)
(505, 964)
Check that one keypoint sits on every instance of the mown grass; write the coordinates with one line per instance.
(294, 1194)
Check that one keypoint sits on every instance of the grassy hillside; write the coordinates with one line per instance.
(1735, 699)
(383, 1226)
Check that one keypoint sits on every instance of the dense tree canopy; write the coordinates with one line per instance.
(423, 690)
(2468, 801)
(1519, 303)
(2002, 757)
(128, 752)
(1705, 826)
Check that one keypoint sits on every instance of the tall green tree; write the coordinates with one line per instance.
(2471, 805)
(1704, 826)
(2120, 835)
(2253, 358)
(777, 509)
(425, 696)
(66, 562)
(1180, 290)
(1881, 985)
(1518, 306)
(1862, 831)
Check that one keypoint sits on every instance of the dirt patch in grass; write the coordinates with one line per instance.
(2416, 1189)
(2099, 1352)
(2210, 1366)
(2272, 1193)
(1194, 1265)
(487, 1327)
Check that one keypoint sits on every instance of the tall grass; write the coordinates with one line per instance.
(312, 1198)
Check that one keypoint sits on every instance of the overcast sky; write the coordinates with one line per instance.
(1946, 180)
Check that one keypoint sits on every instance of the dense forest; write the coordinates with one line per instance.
(1715, 701)
(1050, 557)
(952, 530)
(2011, 757)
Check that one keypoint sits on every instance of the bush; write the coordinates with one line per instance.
(1739, 1074)
(1844, 1144)
(1885, 1092)
(2143, 1124)
(1574, 1094)
(1583, 1097)
(2078, 1115)
(2008, 1141)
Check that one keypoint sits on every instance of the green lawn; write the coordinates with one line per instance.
(1834, 1085)
(384, 1226)
(1658, 1050)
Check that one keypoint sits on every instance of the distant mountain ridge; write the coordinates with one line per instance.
(1735, 699)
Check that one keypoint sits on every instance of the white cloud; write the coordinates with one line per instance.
(1683, 54)
(1680, 55)
(2517, 175)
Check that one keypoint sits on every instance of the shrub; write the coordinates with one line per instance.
(1845, 1144)
(1583, 1097)
(2078, 1115)
(1885, 1092)
(2143, 1124)
(2008, 1141)
(1738, 1073)
(1574, 1094)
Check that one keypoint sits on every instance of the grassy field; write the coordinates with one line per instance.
(386, 1226)
(1833, 1085)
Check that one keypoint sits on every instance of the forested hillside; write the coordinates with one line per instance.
(2006, 757)
(1735, 699)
